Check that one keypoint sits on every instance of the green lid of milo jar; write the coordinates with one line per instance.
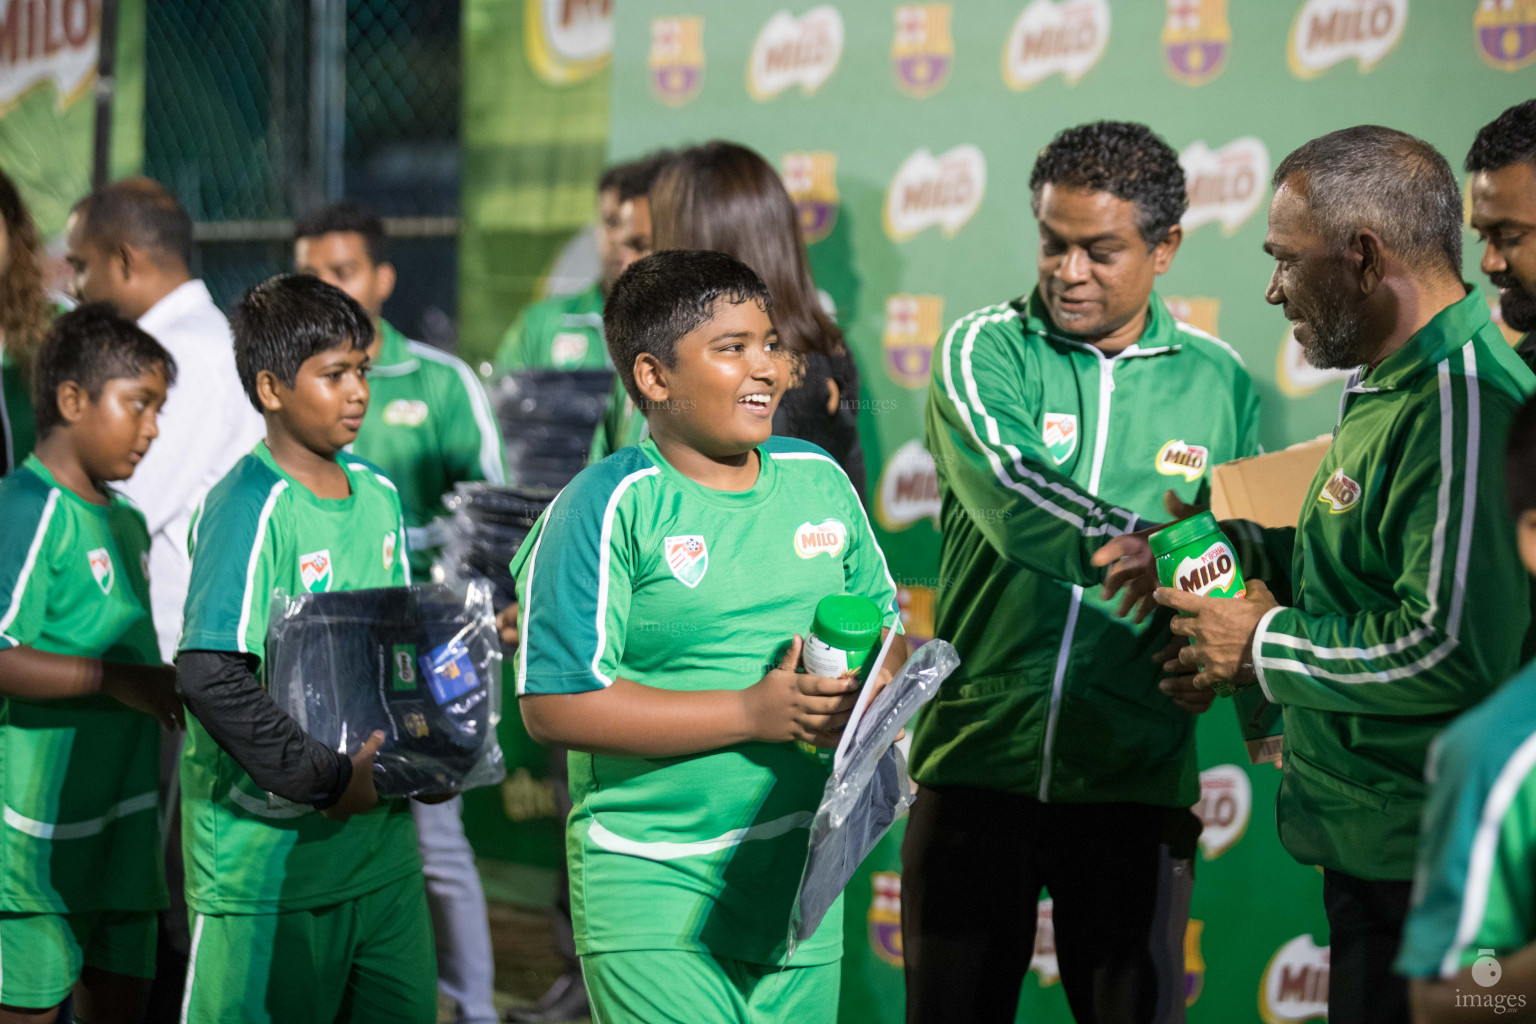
(849, 621)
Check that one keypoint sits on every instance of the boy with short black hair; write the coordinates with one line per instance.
(300, 916)
(662, 594)
(82, 688)
(1474, 891)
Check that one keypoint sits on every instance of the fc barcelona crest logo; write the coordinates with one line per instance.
(923, 50)
(1194, 962)
(1196, 39)
(687, 557)
(1506, 33)
(913, 324)
(101, 568)
(811, 181)
(885, 917)
(677, 59)
(315, 571)
(1060, 433)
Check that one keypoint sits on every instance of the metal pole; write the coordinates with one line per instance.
(106, 85)
(328, 96)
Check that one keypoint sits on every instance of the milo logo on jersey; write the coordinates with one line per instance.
(677, 59)
(1329, 31)
(405, 412)
(885, 917)
(908, 490)
(913, 324)
(1196, 38)
(792, 51)
(1180, 458)
(1225, 185)
(941, 191)
(1226, 805)
(922, 51)
(811, 181)
(687, 557)
(1059, 432)
(1339, 492)
(1212, 573)
(101, 568)
(1055, 36)
(1297, 377)
(315, 571)
(825, 538)
(56, 41)
(1198, 311)
(1506, 33)
(568, 40)
(569, 348)
(1295, 984)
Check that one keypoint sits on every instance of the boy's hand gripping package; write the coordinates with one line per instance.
(868, 789)
(421, 663)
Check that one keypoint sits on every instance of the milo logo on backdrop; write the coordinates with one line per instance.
(1329, 31)
(1044, 962)
(922, 51)
(55, 41)
(1226, 185)
(1226, 805)
(811, 181)
(792, 51)
(677, 59)
(1197, 311)
(568, 40)
(943, 191)
(1506, 33)
(908, 489)
(1295, 984)
(1295, 376)
(1212, 573)
(1055, 36)
(1180, 458)
(1196, 39)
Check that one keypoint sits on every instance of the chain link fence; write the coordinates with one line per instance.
(259, 110)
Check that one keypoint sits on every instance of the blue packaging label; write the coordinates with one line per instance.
(449, 671)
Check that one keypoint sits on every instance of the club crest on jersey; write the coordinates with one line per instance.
(792, 51)
(943, 191)
(811, 181)
(1055, 36)
(101, 568)
(1180, 458)
(688, 558)
(405, 412)
(913, 324)
(390, 541)
(885, 917)
(568, 349)
(1506, 33)
(315, 571)
(1060, 434)
(1196, 38)
(568, 40)
(1340, 492)
(1329, 31)
(923, 50)
(677, 59)
(825, 538)
(1226, 186)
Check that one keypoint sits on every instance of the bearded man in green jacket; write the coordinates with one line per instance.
(1399, 600)
(1050, 760)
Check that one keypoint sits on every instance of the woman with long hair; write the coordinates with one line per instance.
(25, 311)
(726, 197)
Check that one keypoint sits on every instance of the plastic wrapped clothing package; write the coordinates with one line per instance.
(421, 663)
(547, 419)
(489, 524)
(868, 789)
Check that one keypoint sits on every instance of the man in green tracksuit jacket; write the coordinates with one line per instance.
(1399, 599)
(1050, 760)
(1502, 162)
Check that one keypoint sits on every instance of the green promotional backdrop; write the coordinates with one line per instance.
(906, 132)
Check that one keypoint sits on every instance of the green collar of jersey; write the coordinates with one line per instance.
(303, 493)
(395, 356)
(35, 464)
(1159, 337)
(759, 492)
(1450, 329)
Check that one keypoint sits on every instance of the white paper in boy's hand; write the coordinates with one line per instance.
(851, 730)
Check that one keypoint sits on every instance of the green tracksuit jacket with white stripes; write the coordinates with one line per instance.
(1407, 602)
(1045, 449)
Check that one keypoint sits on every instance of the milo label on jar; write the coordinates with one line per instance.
(1211, 573)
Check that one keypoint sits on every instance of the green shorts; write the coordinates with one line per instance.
(368, 959)
(41, 955)
(667, 986)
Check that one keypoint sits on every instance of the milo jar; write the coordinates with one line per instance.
(1195, 556)
(844, 637)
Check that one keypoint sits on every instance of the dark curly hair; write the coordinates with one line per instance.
(1508, 139)
(25, 309)
(1129, 161)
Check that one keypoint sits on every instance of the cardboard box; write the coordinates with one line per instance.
(1270, 488)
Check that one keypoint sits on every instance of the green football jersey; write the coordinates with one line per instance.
(562, 333)
(79, 776)
(16, 426)
(428, 426)
(260, 531)
(637, 572)
(1475, 885)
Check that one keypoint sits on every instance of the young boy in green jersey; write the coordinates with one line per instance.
(662, 594)
(306, 889)
(1469, 946)
(82, 689)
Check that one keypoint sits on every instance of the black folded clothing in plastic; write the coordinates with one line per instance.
(489, 524)
(420, 663)
(547, 419)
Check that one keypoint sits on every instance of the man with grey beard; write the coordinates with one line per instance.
(1398, 601)
(1502, 162)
